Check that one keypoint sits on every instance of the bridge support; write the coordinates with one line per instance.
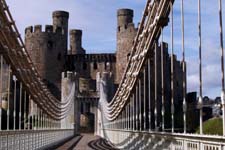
(69, 91)
(105, 91)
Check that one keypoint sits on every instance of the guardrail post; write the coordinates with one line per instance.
(162, 81)
(8, 96)
(14, 103)
(1, 95)
(20, 105)
(172, 68)
(149, 94)
(25, 109)
(222, 63)
(140, 104)
(156, 87)
(200, 67)
(136, 110)
(184, 69)
(133, 112)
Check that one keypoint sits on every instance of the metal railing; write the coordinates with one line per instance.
(30, 140)
(132, 140)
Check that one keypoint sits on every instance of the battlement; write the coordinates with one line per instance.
(60, 13)
(92, 57)
(76, 32)
(38, 29)
(125, 12)
(124, 18)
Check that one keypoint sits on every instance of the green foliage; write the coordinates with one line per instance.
(212, 126)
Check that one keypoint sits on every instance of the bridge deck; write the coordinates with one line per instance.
(87, 142)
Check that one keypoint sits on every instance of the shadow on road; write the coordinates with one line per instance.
(101, 144)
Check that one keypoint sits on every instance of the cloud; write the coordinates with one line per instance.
(211, 71)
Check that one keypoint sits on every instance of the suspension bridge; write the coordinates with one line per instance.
(137, 117)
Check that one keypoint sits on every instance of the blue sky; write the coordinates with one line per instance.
(97, 19)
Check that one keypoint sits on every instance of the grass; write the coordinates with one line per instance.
(213, 126)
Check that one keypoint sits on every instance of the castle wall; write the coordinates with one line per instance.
(88, 65)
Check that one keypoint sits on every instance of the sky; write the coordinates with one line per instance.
(97, 19)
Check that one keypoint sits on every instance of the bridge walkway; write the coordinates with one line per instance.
(87, 142)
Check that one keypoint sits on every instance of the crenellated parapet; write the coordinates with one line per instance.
(109, 57)
(38, 29)
(125, 20)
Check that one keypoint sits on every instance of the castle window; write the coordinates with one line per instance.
(95, 66)
(125, 26)
(59, 56)
(84, 66)
(118, 29)
(50, 44)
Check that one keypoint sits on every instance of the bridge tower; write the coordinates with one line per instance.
(126, 33)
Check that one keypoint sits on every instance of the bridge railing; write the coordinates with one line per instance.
(132, 140)
(35, 139)
(152, 96)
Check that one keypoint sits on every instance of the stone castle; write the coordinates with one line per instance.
(49, 53)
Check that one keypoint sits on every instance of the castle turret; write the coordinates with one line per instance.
(76, 42)
(60, 22)
(126, 33)
(124, 17)
(60, 19)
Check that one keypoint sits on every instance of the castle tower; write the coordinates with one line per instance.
(126, 33)
(76, 42)
(47, 49)
(60, 21)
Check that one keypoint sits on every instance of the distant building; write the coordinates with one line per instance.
(217, 109)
